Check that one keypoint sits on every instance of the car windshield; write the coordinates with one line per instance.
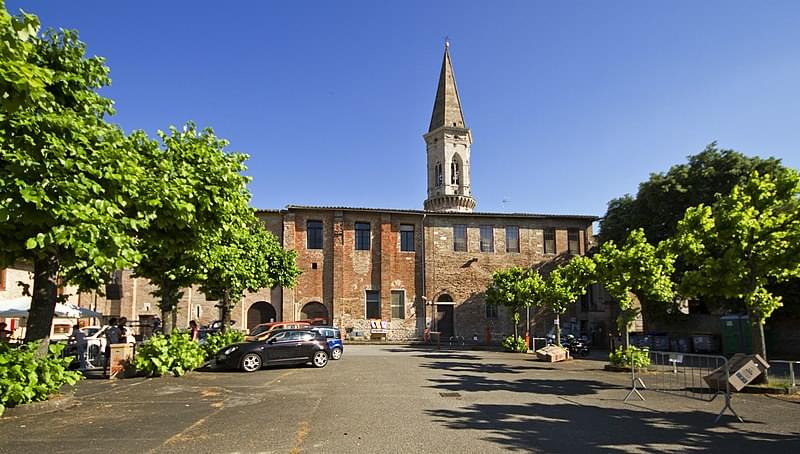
(261, 329)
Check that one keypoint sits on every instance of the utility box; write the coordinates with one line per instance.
(737, 334)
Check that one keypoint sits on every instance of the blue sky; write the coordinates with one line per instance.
(570, 103)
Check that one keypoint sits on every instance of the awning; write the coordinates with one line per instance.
(19, 307)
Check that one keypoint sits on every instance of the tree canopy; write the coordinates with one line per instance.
(743, 242)
(515, 288)
(637, 268)
(566, 284)
(197, 187)
(662, 200)
(67, 176)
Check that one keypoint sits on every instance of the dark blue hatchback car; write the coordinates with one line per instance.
(334, 338)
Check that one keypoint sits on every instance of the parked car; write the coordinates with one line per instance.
(286, 346)
(95, 345)
(334, 337)
(262, 331)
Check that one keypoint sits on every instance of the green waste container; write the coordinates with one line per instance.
(737, 334)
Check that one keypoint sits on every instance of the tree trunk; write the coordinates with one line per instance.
(225, 310)
(558, 330)
(45, 292)
(174, 321)
(760, 348)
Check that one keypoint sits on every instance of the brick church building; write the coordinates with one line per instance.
(393, 272)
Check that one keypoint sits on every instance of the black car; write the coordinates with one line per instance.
(289, 346)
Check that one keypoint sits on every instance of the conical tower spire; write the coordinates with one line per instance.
(448, 143)
(447, 106)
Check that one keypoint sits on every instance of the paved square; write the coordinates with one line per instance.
(400, 399)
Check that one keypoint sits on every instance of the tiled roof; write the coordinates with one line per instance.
(438, 213)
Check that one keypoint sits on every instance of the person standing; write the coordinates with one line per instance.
(5, 335)
(112, 337)
(78, 338)
(195, 331)
(123, 330)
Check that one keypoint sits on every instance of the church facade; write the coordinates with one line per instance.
(395, 273)
(391, 273)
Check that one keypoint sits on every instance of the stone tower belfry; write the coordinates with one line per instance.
(448, 143)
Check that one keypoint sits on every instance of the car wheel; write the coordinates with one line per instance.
(336, 353)
(251, 362)
(320, 359)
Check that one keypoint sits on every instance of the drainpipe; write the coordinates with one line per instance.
(424, 297)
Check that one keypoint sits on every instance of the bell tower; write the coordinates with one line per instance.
(448, 144)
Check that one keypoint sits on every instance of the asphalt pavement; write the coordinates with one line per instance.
(400, 399)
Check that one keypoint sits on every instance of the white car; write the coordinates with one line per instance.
(95, 345)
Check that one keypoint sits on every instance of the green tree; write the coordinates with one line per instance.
(637, 269)
(67, 179)
(565, 285)
(243, 257)
(742, 243)
(515, 288)
(199, 188)
(663, 199)
(22, 81)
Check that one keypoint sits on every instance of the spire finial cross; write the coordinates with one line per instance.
(447, 41)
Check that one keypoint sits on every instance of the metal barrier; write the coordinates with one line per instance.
(694, 376)
(785, 371)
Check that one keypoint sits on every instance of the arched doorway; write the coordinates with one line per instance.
(444, 316)
(314, 310)
(260, 312)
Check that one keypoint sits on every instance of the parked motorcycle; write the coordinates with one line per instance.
(578, 347)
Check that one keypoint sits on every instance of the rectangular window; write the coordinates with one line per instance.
(487, 238)
(549, 241)
(573, 242)
(460, 238)
(398, 304)
(362, 236)
(373, 304)
(314, 232)
(491, 310)
(406, 237)
(512, 238)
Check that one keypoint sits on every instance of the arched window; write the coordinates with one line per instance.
(439, 177)
(455, 172)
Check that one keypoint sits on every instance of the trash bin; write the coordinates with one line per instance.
(737, 334)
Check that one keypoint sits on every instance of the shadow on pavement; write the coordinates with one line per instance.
(573, 428)
(477, 367)
(559, 387)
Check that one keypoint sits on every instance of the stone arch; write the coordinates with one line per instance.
(260, 312)
(444, 321)
(313, 310)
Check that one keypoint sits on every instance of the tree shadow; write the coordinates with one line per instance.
(558, 387)
(575, 428)
(477, 367)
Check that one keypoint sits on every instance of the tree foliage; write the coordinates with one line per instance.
(744, 242)
(243, 257)
(565, 285)
(197, 188)
(662, 200)
(636, 269)
(22, 81)
(67, 177)
(515, 288)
